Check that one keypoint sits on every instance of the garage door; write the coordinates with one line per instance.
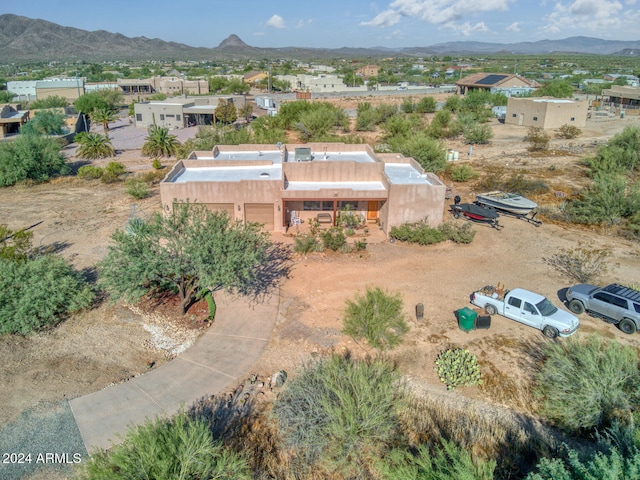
(260, 213)
(226, 207)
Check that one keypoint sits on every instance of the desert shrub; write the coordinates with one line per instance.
(426, 105)
(306, 243)
(376, 316)
(152, 177)
(461, 173)
(608, 159)
(589, 386)
(448, 461)
(360, 245)
(115, 168)
(457, 367)
(112, 172)
(418, 232)
(38, 292)
(340, 413)
(519, 183)
(537, 139)
(599, 466)
(428, 152)
(408, 105)
(585, 263)
(423, 234)
(30, 157)
(478, 134)
(568, 131)
(156, 164)
(138, 189)
(15, 245)
(333, 238)
(605, 201)
(167, 449)
(458, 233)
(90, 172)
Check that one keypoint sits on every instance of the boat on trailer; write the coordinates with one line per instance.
(475, 212)
(510, 204)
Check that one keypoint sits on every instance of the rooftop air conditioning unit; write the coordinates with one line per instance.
(302, 155)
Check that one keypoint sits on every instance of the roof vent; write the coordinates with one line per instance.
(264, 175)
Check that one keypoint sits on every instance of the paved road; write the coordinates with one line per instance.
(225, 353)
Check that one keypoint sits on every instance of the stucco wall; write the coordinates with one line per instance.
(546, 114)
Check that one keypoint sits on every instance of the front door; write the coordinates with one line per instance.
(372, 210)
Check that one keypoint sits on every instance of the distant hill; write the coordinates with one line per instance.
(25, 39)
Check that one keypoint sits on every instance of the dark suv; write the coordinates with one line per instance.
(614, 303)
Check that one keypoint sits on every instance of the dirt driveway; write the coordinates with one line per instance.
(111, 343)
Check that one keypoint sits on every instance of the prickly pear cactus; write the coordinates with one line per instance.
(458, 367)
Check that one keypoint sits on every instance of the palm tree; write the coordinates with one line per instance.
(103, 116)
(159, 143)
(94, 145)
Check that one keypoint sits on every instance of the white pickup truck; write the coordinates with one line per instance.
(529, 308)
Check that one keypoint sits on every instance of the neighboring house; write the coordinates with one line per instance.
(252, 78)
(275, 185)
(69, 88)
(11, 119)
(368, 71)
(620, 95)
(168, 85)
(632, 80)
(181, 112)
(508, 84)
(318, 83)
(94, 87)
(545, 112)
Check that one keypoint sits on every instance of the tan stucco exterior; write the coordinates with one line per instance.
(388, 189)
(546, 112)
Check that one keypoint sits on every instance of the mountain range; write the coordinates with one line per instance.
(24, 39)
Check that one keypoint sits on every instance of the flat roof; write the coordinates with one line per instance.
(228, 174)
(344, 185)
(274, 156)
(363, 157)
(404, 174)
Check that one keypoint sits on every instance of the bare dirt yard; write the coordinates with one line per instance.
(111, 343)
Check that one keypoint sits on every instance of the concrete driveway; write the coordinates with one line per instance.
(222, 355)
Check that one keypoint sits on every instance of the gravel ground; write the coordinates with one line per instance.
(45, 439)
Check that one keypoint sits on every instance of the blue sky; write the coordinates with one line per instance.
(338, 23)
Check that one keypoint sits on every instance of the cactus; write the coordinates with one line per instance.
(458, 367)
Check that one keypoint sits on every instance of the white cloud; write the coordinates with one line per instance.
(514, 27)
(435, 11)
(586, 16)
(276, 21)
(465, 29)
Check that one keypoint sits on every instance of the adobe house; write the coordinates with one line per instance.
(546, 112)
(274, 184)
(508, 84)
(11, 119)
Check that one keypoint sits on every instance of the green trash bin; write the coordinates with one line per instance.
(467, 319)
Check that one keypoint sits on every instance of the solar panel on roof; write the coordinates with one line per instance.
(491, 79)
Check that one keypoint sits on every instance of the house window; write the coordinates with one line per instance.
(513, 115)
(162, 116)
(535, 119)
(178, 117)
(170, 115)
(138, 117)
(311, 205)
(327, 206)
(573, 119)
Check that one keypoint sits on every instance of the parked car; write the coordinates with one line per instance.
(614, 303)
(528, 308)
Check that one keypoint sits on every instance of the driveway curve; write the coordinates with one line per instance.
(224, 353)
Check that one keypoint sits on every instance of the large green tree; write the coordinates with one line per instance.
(30, 157)
(226, 111)
(191, 251)
(45, 122)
